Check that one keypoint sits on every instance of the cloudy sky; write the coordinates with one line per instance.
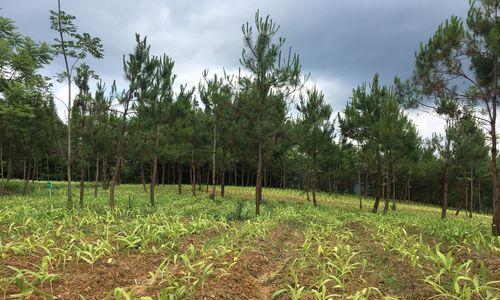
(342, 43)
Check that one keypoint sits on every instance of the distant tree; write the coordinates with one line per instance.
(447, 108)
(188, 130)
(216, 96)
(197, 139)
(27, 110)
(375, 120)
(426, 175)
(101, 132)
(315, 129)
(81, 115)
(469, 151)
(401, 146)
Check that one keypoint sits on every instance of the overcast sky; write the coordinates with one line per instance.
(342, 43)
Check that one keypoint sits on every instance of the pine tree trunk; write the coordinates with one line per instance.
(193, 174)
(235, 183)
(308, 183)
(466, 193)
(120, 175)
(9, 169)
(198, 178)
(445, 190)
(359, 191)
(208, 179)
(174, 177)
(167, 174)
(1, 166)
(446, 173)
(154, 168)
(406, 189)
(96, 183)
(496, 192)
(258, 181)
(270, 178)
(480, 200)
(24, 170)
(471, 193)
(366, 183)
(214, 149)
(314, 179)
(242, 174)
(162, 173)
(329, 182)
(104, 174)
(119, 154)
(393, 188)
(25, 177)
(264, 180)
(379, 185)
(179, 178)
(28, 177)
(462, 192)
(48, 169)
(223, 175)
(387, 187)
(284, 173)
(113, 183)
(34, 172)
(82, 183)
(143, 177)
(409, 187)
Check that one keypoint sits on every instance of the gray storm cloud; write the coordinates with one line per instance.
(341, 43)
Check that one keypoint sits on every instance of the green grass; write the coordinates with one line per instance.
(189, 247)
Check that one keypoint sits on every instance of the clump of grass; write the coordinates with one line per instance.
(240, 212)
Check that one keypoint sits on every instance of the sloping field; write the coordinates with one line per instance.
(192, 247)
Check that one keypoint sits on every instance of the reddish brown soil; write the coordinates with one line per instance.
(92, 282)
(386, 270)
(255, 275)
(125, 271)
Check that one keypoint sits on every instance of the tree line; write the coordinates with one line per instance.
(265, 126)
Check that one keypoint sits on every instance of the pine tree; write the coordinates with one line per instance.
(315, 129)
(138, 68)
(270, 72)
(375, 120)
(441, 71)
(216, 96)
(155, 98)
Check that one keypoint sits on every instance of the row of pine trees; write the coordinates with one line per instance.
(266, 126)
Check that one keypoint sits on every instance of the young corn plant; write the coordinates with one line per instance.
(295, 292)
(455, 280)
(27, 281)
(92, 252)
